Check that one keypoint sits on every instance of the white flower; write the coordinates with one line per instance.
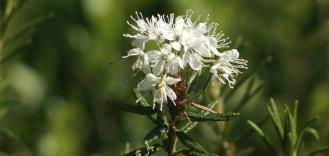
(160, 88)
(142, 62)
(193, 59)
(227, 67)
(165, 60)
(179, 43)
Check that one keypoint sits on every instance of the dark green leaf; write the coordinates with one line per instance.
(155, 134)
(143, 102)
(134, 109)
(145, 151)
(190, 126)
(140, 98)
(198, 85)
(189, 142)
(211, 117)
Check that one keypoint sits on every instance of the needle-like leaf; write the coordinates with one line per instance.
(265, 139)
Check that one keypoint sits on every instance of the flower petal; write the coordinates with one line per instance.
(171, 94)
(170, 80)
(148, 83)
(134, 52)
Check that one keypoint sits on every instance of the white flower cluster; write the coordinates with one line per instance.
(181, 44)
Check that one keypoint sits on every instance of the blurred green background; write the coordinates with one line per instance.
(53, 93)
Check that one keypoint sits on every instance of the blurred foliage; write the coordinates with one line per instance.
(53, 89)
(290, 135)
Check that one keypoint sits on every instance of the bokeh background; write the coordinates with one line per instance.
(53, 92)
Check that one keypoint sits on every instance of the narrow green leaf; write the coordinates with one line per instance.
(156, 133)
(275, 117)
(247, 97)
(30, 25)
(313, 132)
(320, 150)
(189, 126)
(292, 123)
(143, 102)
(189, 142)
(126, 148)
(302, 132)
(134, 109)
(6, 133)
(145, 151)
(140, 98)
(198, 85)
(15, 51)
(265, 139)
(250, 131)
(13, 12)
(308, 123)
(245, 152)
(211, 117)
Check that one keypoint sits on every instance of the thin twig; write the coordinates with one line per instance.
(203, 108)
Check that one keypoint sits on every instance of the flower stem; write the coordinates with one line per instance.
(172, 140)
